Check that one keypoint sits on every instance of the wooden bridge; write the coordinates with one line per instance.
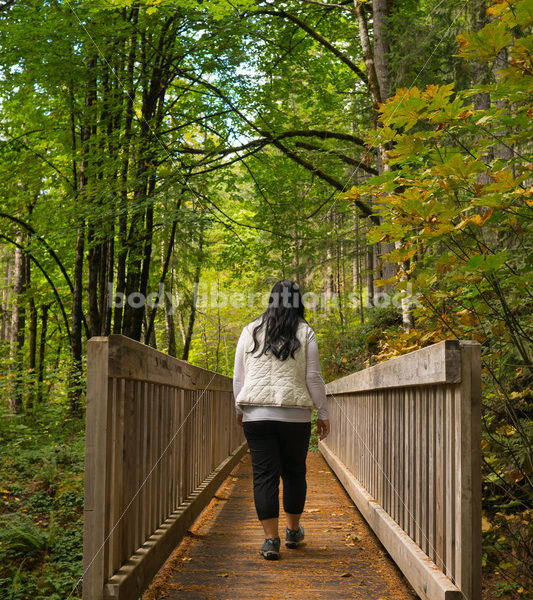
(162, 438)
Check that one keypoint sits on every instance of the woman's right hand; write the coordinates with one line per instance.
(322, 428)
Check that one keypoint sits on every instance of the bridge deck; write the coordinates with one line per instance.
(341, 558)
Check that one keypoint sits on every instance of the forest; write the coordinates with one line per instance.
(164, 162)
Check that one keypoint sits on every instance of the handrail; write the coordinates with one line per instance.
(160, 439)
(406, 444)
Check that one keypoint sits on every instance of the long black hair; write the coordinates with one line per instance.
(281, 320)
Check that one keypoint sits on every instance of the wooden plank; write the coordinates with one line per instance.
(135, 576)
(138, 506)
(128, 475)
(145, 455)
(424, 458)
(386, 453)
(440, 497)
(159, 451)
(96, 430)
(414, 483)
(153, 458)
(182, 449)
(378, 431)
(427, 580)
(406, 467)
(401, 457)
(438, 363)
(450, 483)
(393, 455)
(132, 360)
(117, 491)
(174, 449)
(421, 483)
(432, 475)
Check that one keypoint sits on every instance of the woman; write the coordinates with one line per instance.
(277, 382)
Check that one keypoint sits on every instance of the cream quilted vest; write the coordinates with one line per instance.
(269, 381)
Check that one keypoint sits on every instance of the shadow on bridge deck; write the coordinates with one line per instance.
(341, 558)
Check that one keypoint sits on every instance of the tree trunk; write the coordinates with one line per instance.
(94, 257)
(6, 300)
(368, 55)
(192, 317)
(169, 324)
(164, 271)
(370, 275)
(380, 9)
(32, 350)
(42, 350)
(122, 252)
(17, 327)
(75, 379)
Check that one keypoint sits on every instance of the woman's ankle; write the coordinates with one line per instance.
(293, 520)
(270, 527)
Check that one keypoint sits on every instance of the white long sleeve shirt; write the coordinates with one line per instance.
(313, 379)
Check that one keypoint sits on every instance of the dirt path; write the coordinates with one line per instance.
(341, 558)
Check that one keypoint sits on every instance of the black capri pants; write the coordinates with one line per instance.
(278, 448)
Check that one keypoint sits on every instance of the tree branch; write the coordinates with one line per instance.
(347, 159)
(319, 38)
(367, 212)
(331, 5)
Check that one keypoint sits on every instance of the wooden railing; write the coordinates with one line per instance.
(406, 444)
(161, 436)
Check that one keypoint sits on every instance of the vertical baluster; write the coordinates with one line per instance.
(128, 481)
(419, 457)
(440, 492)
(145, 455)
(114, 487)
(136, 448)
(413, 482)
(110, 444)
(154, 453)
(450, 481)
(425, 457)
(183, 448)
(165, 511)
(175, 437)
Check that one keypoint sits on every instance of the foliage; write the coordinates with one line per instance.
(41, 504)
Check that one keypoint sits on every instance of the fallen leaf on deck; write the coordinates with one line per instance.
(346, 575)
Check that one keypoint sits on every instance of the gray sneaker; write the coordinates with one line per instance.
(270, 548)
(293, 537)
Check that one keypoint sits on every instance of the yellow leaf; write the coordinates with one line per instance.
(498, 329)
(485, 524)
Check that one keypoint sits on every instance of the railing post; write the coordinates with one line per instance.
(468, 472)
(96, 464)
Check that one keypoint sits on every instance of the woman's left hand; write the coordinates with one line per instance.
(239, 419)
(322, 428)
